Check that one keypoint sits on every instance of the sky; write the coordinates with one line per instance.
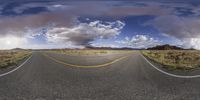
(47, 24)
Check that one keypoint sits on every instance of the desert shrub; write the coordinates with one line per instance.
(9, 58)
(181, 60)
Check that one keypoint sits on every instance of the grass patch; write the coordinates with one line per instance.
(10, 58)
(175, 59)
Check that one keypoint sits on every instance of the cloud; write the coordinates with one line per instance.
(26, 19)
(138, 11)
(84, 33)
(114, 9)
(185, 29)
(179, 27)
(66, 13)
(19, 25)
(27, 26)
(139, 41)
(191, 43)
(59, 28)
(91, 8)
(105, 45)
(10, 42)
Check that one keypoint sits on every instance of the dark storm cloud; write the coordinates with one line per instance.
(19, 24)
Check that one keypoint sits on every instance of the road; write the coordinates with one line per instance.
(130, 78)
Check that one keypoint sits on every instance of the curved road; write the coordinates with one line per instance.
(132, 78)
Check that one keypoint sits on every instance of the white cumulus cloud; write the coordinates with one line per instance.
(187, 30)
(139, 41)
(84, 33)
(191, 43)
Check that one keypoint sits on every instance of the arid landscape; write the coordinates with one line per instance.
(99, 49)
(175, 59)
(88, 52)
(171, 57)
(12, 58)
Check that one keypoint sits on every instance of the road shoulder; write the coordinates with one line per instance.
(177, 74)
(13, 68)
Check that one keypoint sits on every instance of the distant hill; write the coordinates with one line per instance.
(17, 49)
(165, 47)
(109, 48)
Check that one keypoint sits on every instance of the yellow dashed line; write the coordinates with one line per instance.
(81, 66)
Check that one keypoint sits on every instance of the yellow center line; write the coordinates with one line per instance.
(81, 66)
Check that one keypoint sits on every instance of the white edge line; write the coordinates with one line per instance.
(1, 75)
(169, 74)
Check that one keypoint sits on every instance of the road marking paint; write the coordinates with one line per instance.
(166, 73)
(1, 75)
(81, 66)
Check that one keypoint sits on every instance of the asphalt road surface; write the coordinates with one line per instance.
(130, 78)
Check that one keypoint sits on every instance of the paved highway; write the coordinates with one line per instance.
(122, 77)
